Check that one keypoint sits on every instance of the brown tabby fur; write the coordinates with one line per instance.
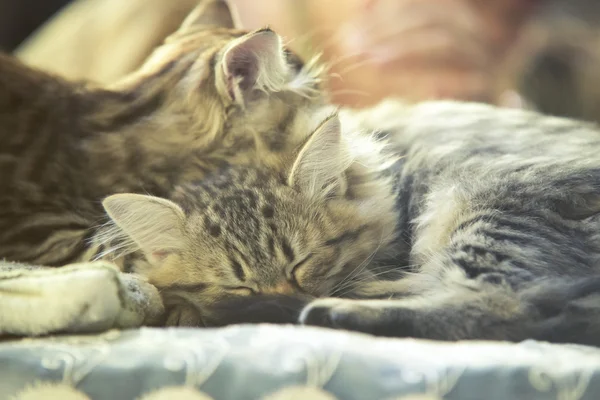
(250, 229)
(464, 222)
(188, 110)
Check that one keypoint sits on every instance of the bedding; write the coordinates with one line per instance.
(86, 341)
(85, 338)
(257, 361)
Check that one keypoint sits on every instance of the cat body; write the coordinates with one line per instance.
(212, 94)
(498, 229)
(441, 221)
(453, 221)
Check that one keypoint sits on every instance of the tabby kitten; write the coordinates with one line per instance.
(465, 221)
(244, 230)
(211, 95)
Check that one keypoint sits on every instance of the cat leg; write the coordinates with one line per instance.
(476, 309)
(448, 313)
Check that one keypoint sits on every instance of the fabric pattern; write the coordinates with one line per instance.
(87, 297)
(257, 361)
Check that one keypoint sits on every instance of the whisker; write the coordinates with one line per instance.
(350, 285)
(356, 283)
(405, 274)
(354, 66)
(349, 280)
(358, 269)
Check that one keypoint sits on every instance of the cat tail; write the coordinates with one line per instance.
(569, 311)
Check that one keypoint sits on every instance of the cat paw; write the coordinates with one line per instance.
(376, 317)
(355, 315)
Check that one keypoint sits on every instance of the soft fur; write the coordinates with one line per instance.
(245, 230)
(460, 221)
(34, 300)
(210, 95)
(443, 220)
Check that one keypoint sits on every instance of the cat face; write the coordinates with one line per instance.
(244, 231)
(212, 88)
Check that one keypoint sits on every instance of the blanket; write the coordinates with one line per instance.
(79, 298)
(277, 362)
(265, 362)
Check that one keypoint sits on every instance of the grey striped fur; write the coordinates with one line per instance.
(498, 228)
(452, 221)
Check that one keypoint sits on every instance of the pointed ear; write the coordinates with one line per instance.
(210, 13)
(254, 62)
(154, 224)
(318, 169)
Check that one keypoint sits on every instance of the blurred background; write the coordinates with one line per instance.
(543, 54)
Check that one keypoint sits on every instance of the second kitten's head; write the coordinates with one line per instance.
(247, 231)
(211, 93)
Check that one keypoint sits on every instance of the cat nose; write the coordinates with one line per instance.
(283, 287)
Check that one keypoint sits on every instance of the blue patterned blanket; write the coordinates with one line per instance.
(258, 361)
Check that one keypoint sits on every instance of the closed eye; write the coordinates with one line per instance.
(297, 267)
(240, 290)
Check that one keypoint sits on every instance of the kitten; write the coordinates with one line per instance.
(465, 221)
(211, 95)
(231, 234)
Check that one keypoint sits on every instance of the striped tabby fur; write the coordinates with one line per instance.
(210, 95)
(455, 221)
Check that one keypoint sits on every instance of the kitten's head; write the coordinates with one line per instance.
(247, 231)
(218, 89)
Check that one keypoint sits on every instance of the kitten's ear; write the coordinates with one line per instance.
(254, 62)
(211, 13)
(154, 224)
(319, 168)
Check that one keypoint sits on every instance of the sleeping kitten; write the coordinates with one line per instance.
(488, 218)
(211, 95)
(245, 230)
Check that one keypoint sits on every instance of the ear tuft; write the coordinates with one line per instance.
(254, 62)
(319, 168)
(210, 13)
(153, 223)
